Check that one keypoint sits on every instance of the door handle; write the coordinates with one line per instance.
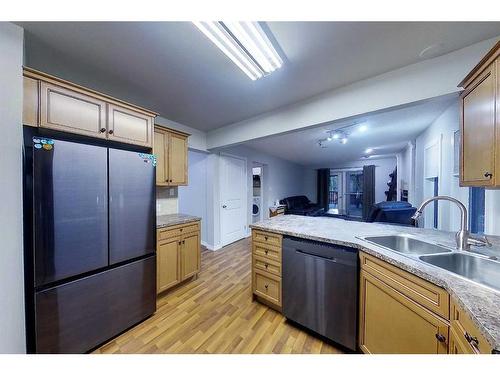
(488, 175)
(102, 130)
(440, 337)
(110, 131)
(224, 206)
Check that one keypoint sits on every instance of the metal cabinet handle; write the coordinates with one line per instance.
(488, 175)
(266, 265)
(110, 131)
(266, 251)
(266, 286)
(183, 241)
(471, 339)
(102, 130)
(265, 237)
(180, 229)
(180, 242)
(440, 337)
(224, 206)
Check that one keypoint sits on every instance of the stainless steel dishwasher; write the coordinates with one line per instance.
(320, 288)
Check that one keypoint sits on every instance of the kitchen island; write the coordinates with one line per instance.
(478, 305)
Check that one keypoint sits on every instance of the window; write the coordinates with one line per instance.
(476, 209)
(355, 193)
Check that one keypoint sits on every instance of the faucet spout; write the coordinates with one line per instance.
(462, 236)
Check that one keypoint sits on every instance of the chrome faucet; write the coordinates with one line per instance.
(463, 237)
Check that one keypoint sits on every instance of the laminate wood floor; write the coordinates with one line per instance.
(215, 314)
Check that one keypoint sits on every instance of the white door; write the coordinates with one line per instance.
(233, 199)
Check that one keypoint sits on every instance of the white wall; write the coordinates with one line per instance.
(423, 80)
(449, 215)
(441, 130)
(12, 329)
(193, 198)
(406, 171)
(383, 167)
(281, 178)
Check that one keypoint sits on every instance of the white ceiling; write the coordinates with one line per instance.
(172, 68)
(387, 133)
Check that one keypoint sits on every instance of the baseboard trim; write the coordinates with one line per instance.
(210, 247)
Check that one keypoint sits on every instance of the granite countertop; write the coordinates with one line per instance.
(163, 221)
(481, 303)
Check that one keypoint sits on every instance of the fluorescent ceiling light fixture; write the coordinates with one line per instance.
(336, 136)
(343, 140)
(246, 44)
(363, 128)
(368, 150)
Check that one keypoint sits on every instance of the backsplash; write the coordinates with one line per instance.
(166, 201)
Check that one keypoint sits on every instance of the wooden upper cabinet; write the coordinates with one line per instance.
(479, 124)
(177, 157)
(30, 101)
(160, 150)
(125, 125)
(67, 110)
(53, 103)
(171, 150)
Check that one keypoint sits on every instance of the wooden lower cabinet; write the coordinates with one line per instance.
(465, 337)
(190, 255)
(167, 259)
(390, 322)
(178, 254)
(402, 313)
(266, 268)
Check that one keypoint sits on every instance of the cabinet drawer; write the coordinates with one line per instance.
(266, 251)
(267, 286)
(422, 292)
(267, 238)
(177, 231)
(467, 331)
(267, 265)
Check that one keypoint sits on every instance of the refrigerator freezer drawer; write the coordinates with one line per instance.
(77, 316)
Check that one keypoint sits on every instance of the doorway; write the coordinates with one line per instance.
(257, 192)
(233, 198)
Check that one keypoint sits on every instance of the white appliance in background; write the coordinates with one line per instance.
(256, 208)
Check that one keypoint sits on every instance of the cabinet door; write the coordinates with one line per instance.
(478, 131)
(160, 150)
(30, 101)
(70, 111)
(391, 323)
(457, 344)
(125, 125)
(177, 160)
(190, 255)
(167, 255)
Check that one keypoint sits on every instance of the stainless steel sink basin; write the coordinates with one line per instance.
(480, 270)
(407, 245)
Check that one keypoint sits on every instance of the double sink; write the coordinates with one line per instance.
(477, 268)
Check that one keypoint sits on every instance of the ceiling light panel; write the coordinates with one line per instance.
(246, 44)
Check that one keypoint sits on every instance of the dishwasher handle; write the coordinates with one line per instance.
(316, 255)
(326, 258)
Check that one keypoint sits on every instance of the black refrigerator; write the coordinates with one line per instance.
(90, 235)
